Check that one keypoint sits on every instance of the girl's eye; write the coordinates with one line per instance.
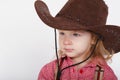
(76, 34)
(61, 33)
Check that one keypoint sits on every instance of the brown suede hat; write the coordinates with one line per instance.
(83, 14)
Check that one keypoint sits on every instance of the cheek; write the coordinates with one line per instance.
(60, 43)
(83, 45)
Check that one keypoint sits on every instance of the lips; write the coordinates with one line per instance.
(68, 50)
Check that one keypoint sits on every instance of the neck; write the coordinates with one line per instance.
(79, 66)
(82, 58)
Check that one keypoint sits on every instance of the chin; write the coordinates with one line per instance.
(70, 55)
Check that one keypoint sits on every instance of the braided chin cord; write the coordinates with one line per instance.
(58, 65)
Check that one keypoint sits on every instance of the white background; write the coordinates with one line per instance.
(26, 43)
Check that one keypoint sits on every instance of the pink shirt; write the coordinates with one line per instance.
(85, 73)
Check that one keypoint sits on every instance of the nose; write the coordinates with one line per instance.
(67, 41)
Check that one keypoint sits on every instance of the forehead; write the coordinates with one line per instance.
(72, 31)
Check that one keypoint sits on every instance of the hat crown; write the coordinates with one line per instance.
(85, 12)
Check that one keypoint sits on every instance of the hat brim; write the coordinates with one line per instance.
(111, 33)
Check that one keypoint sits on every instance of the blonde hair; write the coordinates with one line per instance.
(100, 51)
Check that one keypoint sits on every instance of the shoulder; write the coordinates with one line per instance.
(47, 71)
(49, 65)
(108, 73)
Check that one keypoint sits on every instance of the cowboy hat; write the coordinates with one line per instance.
(83, 14)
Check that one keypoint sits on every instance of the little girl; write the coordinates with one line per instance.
(86, 43)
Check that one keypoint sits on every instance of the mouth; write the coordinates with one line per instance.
(68, 50)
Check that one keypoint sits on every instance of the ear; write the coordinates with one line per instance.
(93, 41)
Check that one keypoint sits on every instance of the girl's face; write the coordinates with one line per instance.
(75, 44)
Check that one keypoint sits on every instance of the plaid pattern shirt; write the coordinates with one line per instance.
(85, 73)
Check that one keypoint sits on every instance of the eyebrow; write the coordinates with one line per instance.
(80, 31)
